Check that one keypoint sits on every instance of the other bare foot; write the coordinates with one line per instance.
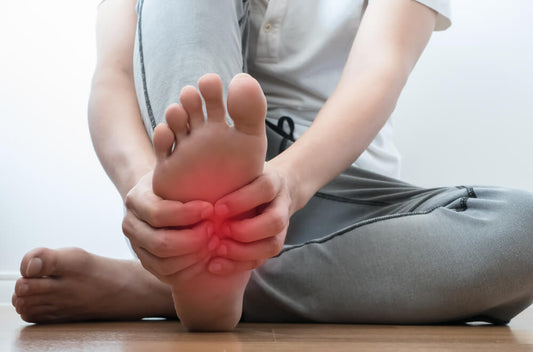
(205, 160)
(71, 284)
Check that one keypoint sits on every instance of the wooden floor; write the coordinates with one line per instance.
(15, 335)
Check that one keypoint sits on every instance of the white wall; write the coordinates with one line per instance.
(53, 191)
(464, 117)
(466, 114)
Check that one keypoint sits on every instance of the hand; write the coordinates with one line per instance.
(167, 236)
(247, 243)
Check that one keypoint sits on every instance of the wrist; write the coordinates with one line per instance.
(131, 178)
(298, 190)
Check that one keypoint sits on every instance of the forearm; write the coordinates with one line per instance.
(342, 130)
(117, 131)
(390, 39)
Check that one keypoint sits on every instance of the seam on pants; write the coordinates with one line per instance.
(349, 200)
(143, 71)
(244, 27)
(462, 207)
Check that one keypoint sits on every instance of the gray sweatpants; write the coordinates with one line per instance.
(366, 248)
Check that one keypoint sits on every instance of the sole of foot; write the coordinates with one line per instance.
(205, 159)
(202, 158)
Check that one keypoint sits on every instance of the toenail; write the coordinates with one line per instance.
(24, 288)
(34, 267)
(213, 244)
(216, 267)
(241, 75)
(222, 251)
(222, 210)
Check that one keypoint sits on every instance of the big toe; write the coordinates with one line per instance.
(41, 262)
(247, 104)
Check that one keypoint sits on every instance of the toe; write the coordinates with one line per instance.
(22, 287)
(34, 286)
(192, 103)
(14, 299)
(26, 303)
(210, 86)
(177, 119)
(39, 314)
(247, 104)
(163, 141)
(51, 262)
(32, 263)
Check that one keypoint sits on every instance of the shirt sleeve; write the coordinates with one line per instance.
(443, 9)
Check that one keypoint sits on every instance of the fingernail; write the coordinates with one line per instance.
(222, 210)
(213, 244)
(209, 230)
(34, 267)
(225, 231)
(215, 267)
(222, 251)
(207, 213)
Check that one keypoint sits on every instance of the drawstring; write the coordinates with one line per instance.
(281, 130)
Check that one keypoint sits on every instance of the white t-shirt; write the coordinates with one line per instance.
(297, 51)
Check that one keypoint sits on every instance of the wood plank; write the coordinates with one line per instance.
(160, 335)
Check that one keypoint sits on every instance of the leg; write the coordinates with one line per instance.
(176, 43)
(179, 41)
(197, 159)
(412, 256)
(207, 161)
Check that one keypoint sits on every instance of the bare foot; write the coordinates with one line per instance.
(73, 285)
(205, 160)
(212, 158)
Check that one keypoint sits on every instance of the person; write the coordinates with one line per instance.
(208, 218)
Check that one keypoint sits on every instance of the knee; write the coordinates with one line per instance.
(517, 210)
(506, 216)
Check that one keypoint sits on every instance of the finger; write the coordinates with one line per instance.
(260, 191)
(222, 266)
(164, 213)
(174, 213)
(263, 249)
(273, 220)
(166, 242)
(165, 267)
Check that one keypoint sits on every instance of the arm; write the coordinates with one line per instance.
(391, 38)
(126, 153)
(117, 132)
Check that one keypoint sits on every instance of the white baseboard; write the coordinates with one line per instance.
(7, 285)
